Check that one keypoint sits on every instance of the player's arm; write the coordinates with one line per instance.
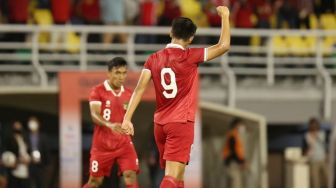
(223, 44)
(95, 109)
(135, 100)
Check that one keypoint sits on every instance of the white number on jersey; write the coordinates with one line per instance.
(172, 86)
(94, 166)
(107, 114)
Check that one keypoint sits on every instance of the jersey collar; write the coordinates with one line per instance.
(108, 88)
(172, 45)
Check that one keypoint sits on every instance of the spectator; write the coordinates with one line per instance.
(17, 14)
(264, 13)
(132, 13)
(171, 11)
(148, 17)
(213, 18)
(40, 152)
(61, 11)
(112, 13)
(315, 139)
(285, 10)
(43, 4)
(148, 13)
(306, 8)
(234, 154)
(18, 176)
(242, 14)
(89, 11)
(18, 11)
(193, 10)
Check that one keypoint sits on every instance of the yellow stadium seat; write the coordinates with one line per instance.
(328, 21)
(193, 10)
(255, 43)
(279, 46)
(328, 45)
(72, 42)
(43, 17)
(254, 19)
(313, 22)
(311, 44)
(273, 21)
(297, 46)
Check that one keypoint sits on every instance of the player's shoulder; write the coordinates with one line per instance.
(128, 90)
(99, 87)
(194, 49)
(154, 55)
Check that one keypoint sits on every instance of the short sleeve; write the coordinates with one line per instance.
(197, 55)
(148, 63)
(94, 96)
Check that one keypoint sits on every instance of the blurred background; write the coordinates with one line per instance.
(272, 96)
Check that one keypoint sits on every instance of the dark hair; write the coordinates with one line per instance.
(314, 123)
(183, 28)
(116, 62)
(235, 122)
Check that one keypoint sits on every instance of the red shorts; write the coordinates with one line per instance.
(174, 141)
(102, 161)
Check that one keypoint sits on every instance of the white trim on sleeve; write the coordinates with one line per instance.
(144, 69)
(95, 102)
(205, 54)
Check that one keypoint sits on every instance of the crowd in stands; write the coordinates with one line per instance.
(264, 14)
(244, 13)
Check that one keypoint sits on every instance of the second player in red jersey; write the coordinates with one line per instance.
(110, 144)
(175, 77)
(113, 108)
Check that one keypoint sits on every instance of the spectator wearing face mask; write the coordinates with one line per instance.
(18, 175)
(316, 153)
(39, 152)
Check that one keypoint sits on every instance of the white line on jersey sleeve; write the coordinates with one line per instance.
(95, 102)
(146, 70)
(205, 54)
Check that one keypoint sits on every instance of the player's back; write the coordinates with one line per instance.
(175, 76)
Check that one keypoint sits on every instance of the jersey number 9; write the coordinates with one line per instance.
(171, 86)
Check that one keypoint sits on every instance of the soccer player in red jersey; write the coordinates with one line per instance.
(175, 76)
(108, 104)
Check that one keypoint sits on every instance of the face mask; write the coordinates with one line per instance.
(18, 131)
(33, 125)
(242, 130)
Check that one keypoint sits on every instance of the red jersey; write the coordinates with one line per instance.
(175, 77)
(18, 10)
(113, 109)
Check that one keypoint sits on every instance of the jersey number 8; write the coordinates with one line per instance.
(171, 86)
(94, 166)
(107, 114)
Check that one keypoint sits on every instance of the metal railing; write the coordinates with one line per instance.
(245, 60)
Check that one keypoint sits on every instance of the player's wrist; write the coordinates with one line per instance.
(127, 119)
(108, 124)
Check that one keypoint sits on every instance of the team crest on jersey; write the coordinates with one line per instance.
(108, 103)
(125, 105)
